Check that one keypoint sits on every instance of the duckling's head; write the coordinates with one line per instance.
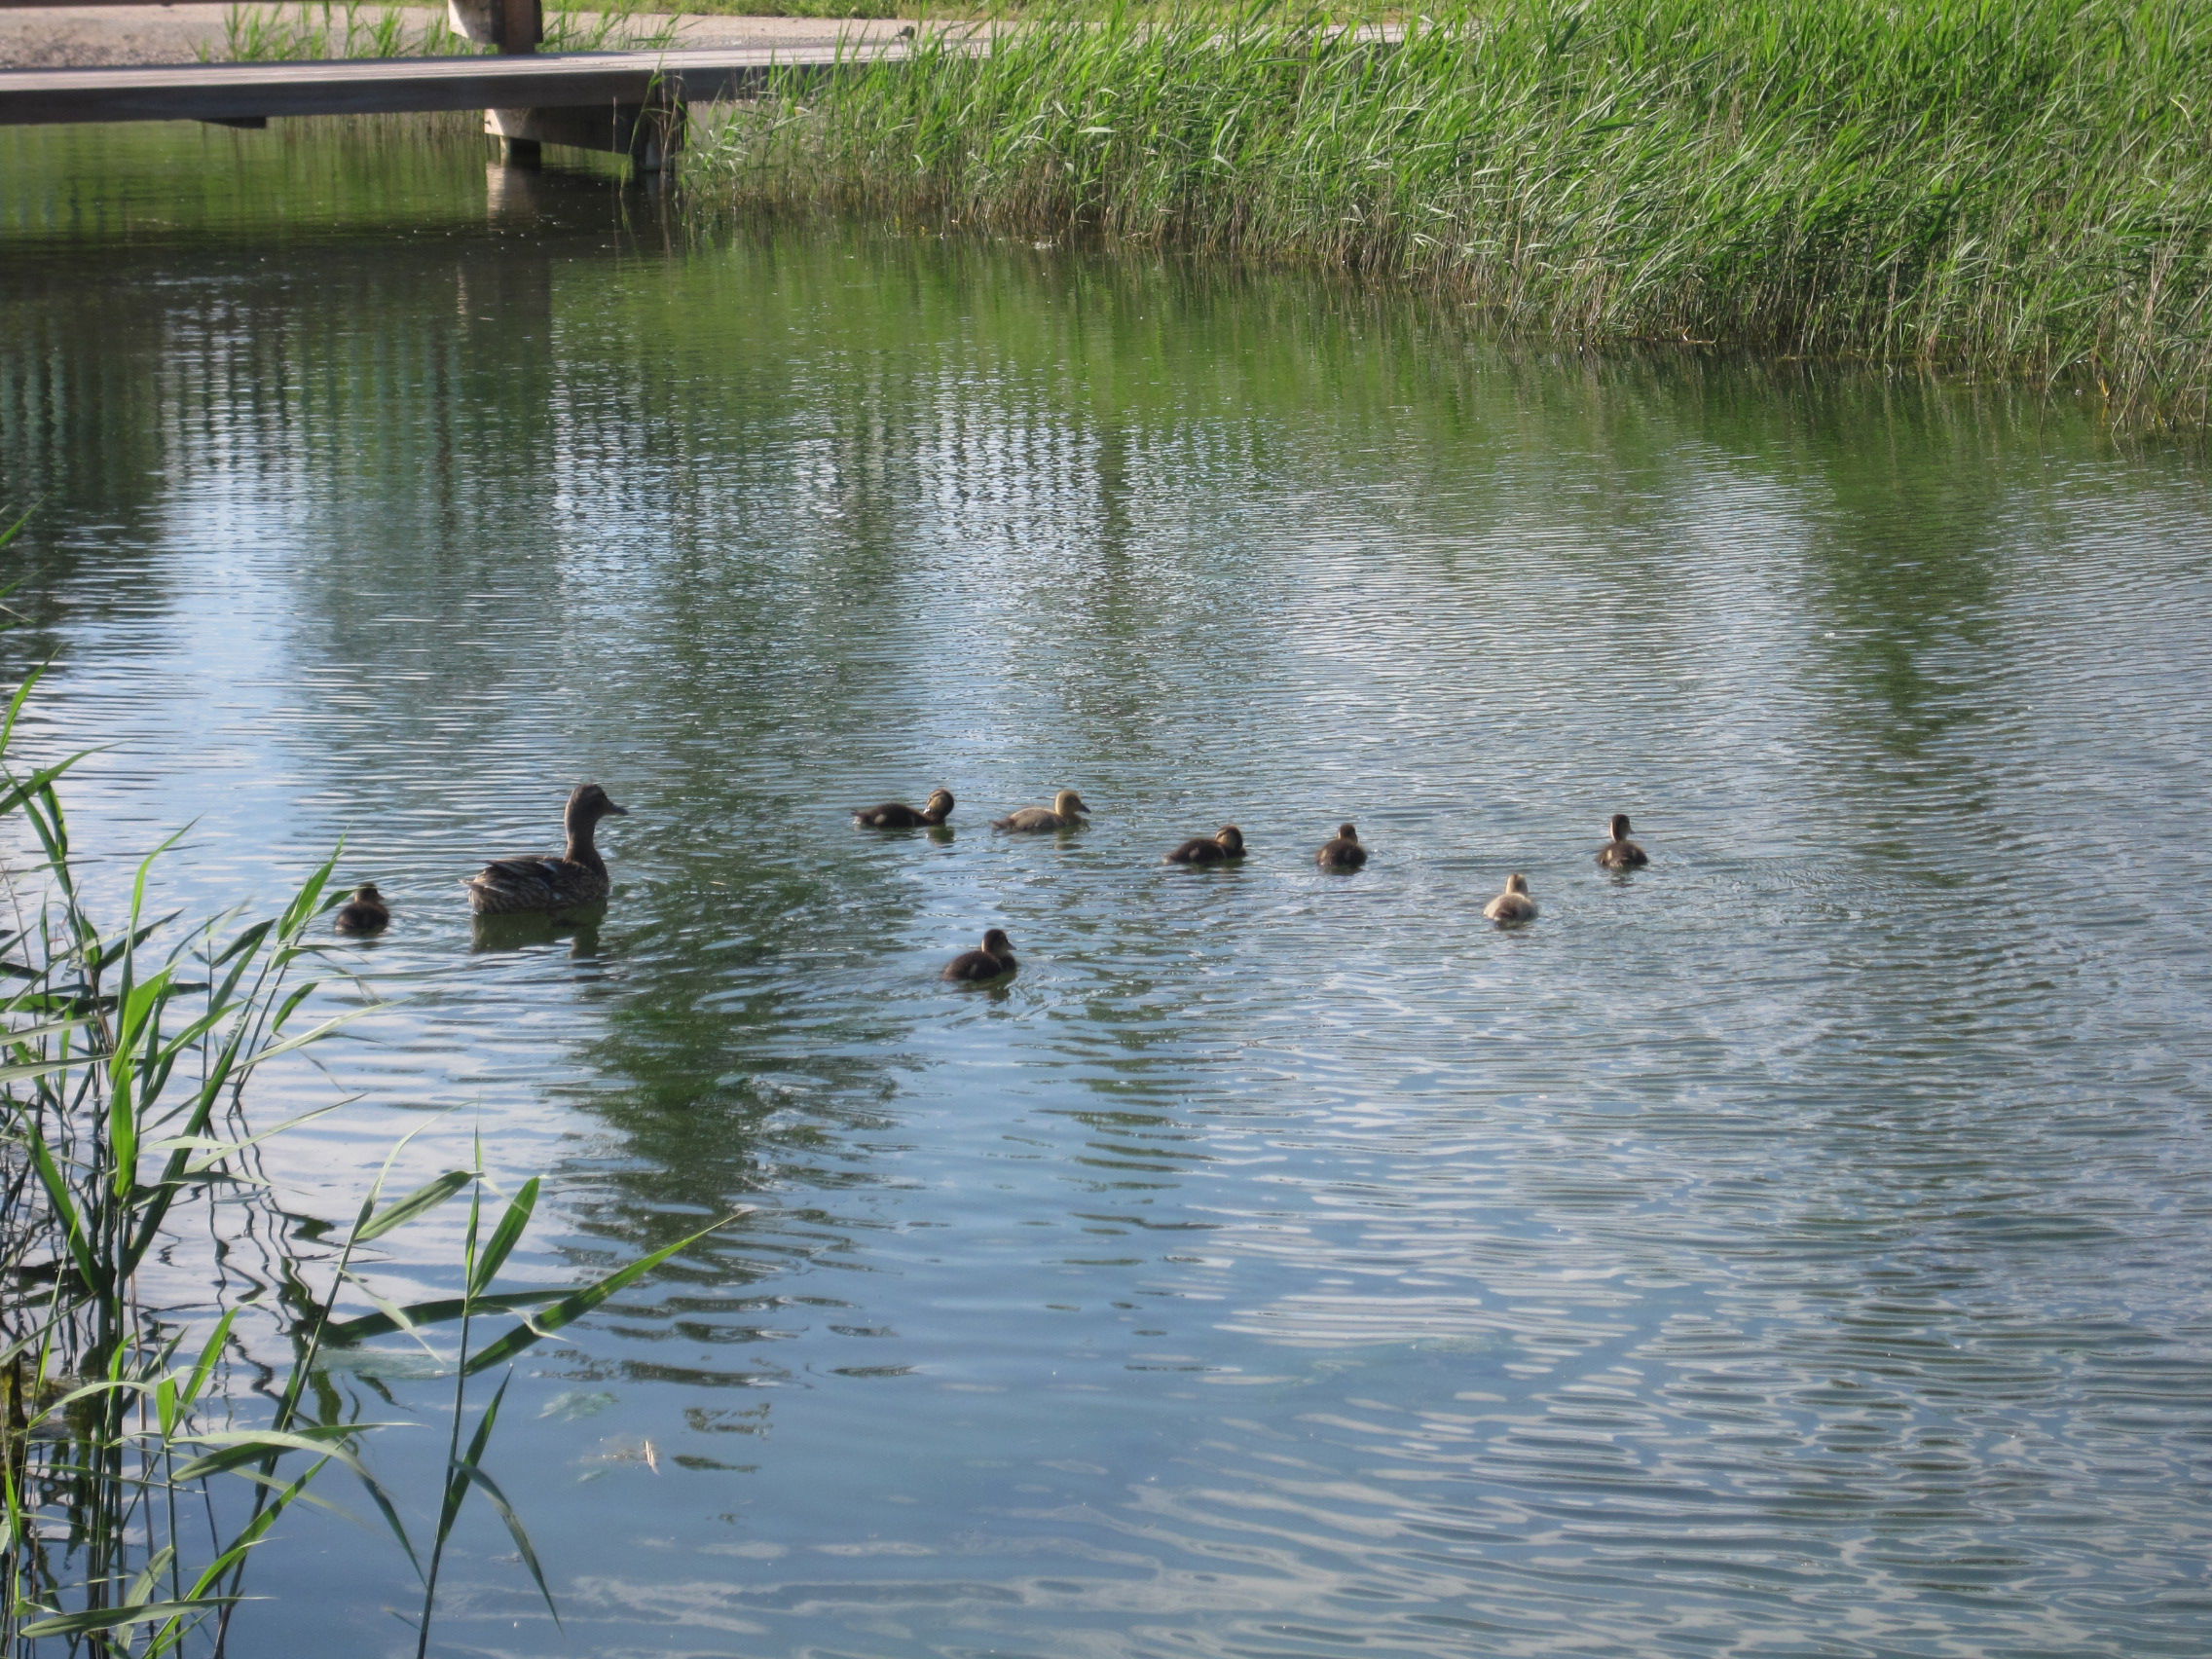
(941, 801)
(367, 894)
(1515, 884)
(997, 944)
(1620, 825)
(1231, 839)
(1346, 833)
(590, 803)
(1067, 801)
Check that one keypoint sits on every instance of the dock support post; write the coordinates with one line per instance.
(649, 133)
(515, 27)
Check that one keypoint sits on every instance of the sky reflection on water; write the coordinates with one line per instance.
(1797, 1248)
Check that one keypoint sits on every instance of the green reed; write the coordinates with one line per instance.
(2022, 184)
(139, 1471)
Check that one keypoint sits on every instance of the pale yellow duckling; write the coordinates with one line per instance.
(1513, 904)
(1621, 853)
(1066, 813)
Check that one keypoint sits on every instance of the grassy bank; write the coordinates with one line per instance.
(2017, 184)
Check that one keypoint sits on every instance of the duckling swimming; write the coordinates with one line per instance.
(1343, 853)
(993, 961)
(578, 877)
(1621, 853)
(897, 815)
(1513, 904)
(1224, 845)
(1066, 813)
(365, 913)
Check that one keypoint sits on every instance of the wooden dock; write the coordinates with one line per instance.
(235, 91)
(633, 103)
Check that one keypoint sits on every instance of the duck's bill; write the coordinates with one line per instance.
(617, 811)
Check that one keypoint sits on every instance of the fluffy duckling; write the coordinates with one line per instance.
(1513, 904)
(1066, 813)
(1343, 853)
(365, 913)
(578, 877)
(1223, 846)
(995, 959)
(897, 815)
(1621, 853)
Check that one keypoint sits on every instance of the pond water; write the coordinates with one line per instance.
(1798, 1248)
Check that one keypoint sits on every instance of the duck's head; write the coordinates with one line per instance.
(1230, 837)
(1620, 825)
(1068, 801)
(1517, 884)
(1346, 833)
(367, 894)
(590, 803)
(997, 944)
(940, 801)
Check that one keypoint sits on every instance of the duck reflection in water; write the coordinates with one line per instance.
(528, 930)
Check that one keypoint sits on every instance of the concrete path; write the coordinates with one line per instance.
(54, 37)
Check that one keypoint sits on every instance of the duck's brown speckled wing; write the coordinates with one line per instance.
(508, 886)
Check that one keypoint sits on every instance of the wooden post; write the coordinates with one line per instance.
(515, 27)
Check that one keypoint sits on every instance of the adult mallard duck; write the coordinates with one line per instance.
(1513, 904)
(898, 815)
(1621, 853)
(1343, 853)
(1223, 846)
(365, 913)
(993, 961)
(578, 877)
(1066, 813)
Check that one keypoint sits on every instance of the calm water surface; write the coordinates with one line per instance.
(1799, 1248)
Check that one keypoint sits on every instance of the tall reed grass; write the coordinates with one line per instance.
(2021, 184)
(137, 1474)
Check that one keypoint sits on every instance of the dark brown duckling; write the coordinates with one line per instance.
(897, 815)
(1513, 904)
(1343, 853)
(1066, 813)
(993, 961)
(1224, 845)
(1621, 853)
(365, 913)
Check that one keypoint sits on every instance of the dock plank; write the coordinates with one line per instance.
(229, 92)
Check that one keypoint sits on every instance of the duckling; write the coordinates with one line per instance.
(1621, 853)
(365, 913)
(1513, 904)
(1224, 845)
(995, 959)
(897, 815)
(1343, 853)
(578, 877)
(1066, 813)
